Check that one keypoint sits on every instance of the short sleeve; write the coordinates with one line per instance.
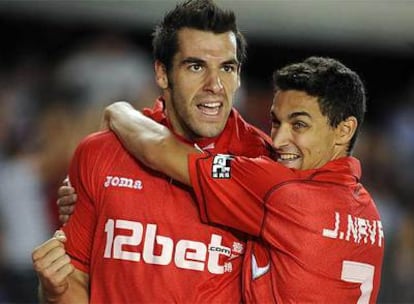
(81, 226)
(231, 190)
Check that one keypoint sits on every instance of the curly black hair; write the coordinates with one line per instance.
(339, 90)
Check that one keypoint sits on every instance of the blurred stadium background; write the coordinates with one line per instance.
(61, 62)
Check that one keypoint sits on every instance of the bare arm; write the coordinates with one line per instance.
(59, 281)
(151, 143)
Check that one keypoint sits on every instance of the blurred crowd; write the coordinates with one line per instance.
(46, 109)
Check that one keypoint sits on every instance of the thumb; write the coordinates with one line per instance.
(60, 235)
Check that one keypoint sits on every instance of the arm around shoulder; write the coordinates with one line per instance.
(151, 143)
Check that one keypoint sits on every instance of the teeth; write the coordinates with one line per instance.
(288, 156)
(211, 105)
(211, 109)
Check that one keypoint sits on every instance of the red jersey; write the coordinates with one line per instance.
(321, 226)
(138, 233)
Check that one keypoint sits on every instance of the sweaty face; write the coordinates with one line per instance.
(202, 82)
(301, 134)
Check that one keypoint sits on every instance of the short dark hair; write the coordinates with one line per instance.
(202, 15)
(339, 90)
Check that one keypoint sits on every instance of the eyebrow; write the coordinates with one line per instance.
(296, 114)
(201, 61)
(231, 61)
(192, 60)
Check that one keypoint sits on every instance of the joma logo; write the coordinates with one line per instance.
(123, 182)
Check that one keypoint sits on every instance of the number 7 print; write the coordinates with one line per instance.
(363, 273)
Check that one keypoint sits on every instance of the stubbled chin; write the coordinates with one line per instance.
(292, 164)
(210, 132)
(210, 117)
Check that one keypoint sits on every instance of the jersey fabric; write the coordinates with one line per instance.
(321, 226)
(138, 234)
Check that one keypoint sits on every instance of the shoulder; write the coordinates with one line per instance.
(98, 145)
(251, 140)
(98, 140)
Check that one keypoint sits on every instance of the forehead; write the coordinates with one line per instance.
(205, 44)
(286, 103)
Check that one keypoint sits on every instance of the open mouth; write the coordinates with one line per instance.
(287, 157)
(210, 109)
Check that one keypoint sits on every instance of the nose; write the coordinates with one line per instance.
(213, 82)
(280, 136)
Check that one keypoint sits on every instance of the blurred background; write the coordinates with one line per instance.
(61, 62)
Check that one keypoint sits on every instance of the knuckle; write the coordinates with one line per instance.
(55, 280)
(35, 255)
(48, 274)
(37, 266)
(67, 259)
(60, 251)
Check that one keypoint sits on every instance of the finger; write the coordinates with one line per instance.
(58, 265)
(56, 274)
(60, 235)
(66, 181)
(66, 210)
(64, 272)
(42, 250)
(65, 190)
(67, 200)
(64, 219)
(46, 261)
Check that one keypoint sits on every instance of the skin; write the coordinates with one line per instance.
(302, 135)
(201, 85)
(198, 93)
(57, 275)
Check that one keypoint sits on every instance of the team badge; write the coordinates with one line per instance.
(221, 166)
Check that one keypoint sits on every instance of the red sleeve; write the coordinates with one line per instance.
(81, 226)
(231, 190)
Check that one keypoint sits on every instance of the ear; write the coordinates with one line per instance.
(345, 130)
(161, 76)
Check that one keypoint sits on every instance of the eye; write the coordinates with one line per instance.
(229, 68)
(195, 67)
(298, 125)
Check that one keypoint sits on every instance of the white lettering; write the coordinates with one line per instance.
(352, 228)
(115, 181)
(149, 245)
(123, 182)
(357, 230)
(362, 231)
(159, 250)
(372, 230)
(332, 233)
(108, 181)
(133, 239)
(190, 259)
(138, 184)
(381, 234)
(126, 182)
(215, 249)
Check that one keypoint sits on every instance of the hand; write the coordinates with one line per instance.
(113, 111)
(53, 267)
(66, 201)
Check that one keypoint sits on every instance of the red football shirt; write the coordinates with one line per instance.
(321, 226)
(138, 233)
